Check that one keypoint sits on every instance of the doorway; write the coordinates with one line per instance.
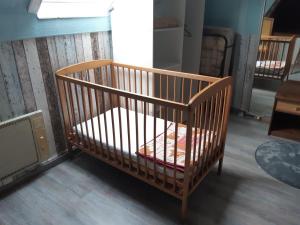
(274, 57)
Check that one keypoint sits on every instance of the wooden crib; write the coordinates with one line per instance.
(275, 55)
(166, 128)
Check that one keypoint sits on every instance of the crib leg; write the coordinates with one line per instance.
(69, 147)
(220, 166)
(184, 209)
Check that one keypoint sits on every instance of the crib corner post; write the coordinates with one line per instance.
(187, 175)
(69, 146)
(220, 166)
(184, 204)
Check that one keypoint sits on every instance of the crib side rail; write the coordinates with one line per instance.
(83, 66)
(170, 73)
(209, 112)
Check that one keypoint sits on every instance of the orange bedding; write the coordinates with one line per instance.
(168, 159)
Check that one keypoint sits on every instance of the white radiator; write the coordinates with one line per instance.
(23, 145)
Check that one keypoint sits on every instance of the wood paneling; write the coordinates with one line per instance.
(39, 89)
(24, 77)
(79, 47)
(95, 46)
(27, 81)
(243, 70)
(250, 70)
(52, 98)
(11, 79)
(5, 110)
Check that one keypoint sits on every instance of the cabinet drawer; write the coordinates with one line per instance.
(288, 107)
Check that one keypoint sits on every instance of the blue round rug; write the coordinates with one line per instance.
(280, 159)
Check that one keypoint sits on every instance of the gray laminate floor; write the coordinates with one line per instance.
(262, 102)
(86, 191)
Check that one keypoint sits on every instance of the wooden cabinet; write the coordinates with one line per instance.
(288, 107)
(285, 120)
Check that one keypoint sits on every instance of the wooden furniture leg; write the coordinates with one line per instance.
(220, 166)
(184, 208)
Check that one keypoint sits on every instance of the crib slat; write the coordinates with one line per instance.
(274, 57)
(182, 97)
(167, 88)
(194, 142)
(175, 150)
(226, 94)
(79, 112)
(113, 126)
(174, 97)
(145, 137)
(165, 142)
(137, 134)
(141, 91)
(135, 84)
(191, 89)
(207, 133)
(105, 124)
(118, 78)
(195, 136)
(85, 116)
(124, 86)
(281, 61)
(120, 128)
(266, 52)
(210, 124)
(201, 143)
(270, 49)
(218, 106)
(68, 107)
(72, 111)
(98, 119)
(214, 129)
(129, 86)
(262, 56)
(128, 133)
(91, 118)
(148, 91)
(154, 141)
(160, 95)
(206, 113)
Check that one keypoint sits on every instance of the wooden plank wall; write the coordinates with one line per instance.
(27, 81)
(245, 55)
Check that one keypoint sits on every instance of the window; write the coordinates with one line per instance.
(47, 9)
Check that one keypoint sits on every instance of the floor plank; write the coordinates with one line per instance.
(87, 191)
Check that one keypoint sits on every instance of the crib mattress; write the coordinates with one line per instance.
(271, 67)
(134, 148)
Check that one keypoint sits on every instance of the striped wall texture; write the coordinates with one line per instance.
(27, 80)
